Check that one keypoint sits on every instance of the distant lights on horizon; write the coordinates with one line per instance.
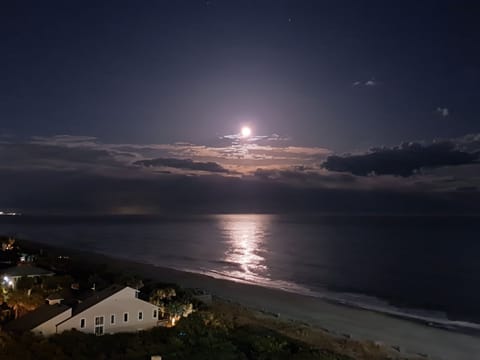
(8, 213)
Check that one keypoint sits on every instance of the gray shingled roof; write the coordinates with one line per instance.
(26, 270)
(36, 317)
(96, 298)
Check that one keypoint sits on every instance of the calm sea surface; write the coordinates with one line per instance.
(421, 266)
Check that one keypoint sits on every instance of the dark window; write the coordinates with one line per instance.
(99, 330)
(125, 317)
(99, 321)
(82, 323)
(140, 315)
(112, 319)
(155, 313)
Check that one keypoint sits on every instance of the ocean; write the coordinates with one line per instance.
(426, 268)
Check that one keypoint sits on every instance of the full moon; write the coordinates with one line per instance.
(246, 131)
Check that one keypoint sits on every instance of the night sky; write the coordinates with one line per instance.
(123, 107)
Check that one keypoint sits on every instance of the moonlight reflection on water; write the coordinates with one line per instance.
(246, 238)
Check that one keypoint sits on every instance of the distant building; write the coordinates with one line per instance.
(113, 310)
(27, 258)
(11, 275)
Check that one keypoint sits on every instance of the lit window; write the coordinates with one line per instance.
(112, 319)
(82, 323)
(125, 317)
(140, 315)
(155, 314)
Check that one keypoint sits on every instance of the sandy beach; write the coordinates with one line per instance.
(408, 337)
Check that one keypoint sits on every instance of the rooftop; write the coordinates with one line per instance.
(36, 317)
(97, 297)
(26, 270)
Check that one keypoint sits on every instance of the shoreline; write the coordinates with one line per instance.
(461, 326)
(408, 337)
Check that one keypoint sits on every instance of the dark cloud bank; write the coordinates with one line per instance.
(186, 164)
(403, 160)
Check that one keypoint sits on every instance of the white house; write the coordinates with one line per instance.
(113, 310)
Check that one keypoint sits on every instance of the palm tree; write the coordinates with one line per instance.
(22, 302)
(162, 294)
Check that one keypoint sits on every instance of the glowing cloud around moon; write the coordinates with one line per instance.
(246, 131)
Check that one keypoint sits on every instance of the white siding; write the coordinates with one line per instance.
(122, 302)
(49, 327)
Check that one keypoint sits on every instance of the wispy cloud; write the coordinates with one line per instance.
(443, 111)
(233, 154)
(366, 83)
(184, 164)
